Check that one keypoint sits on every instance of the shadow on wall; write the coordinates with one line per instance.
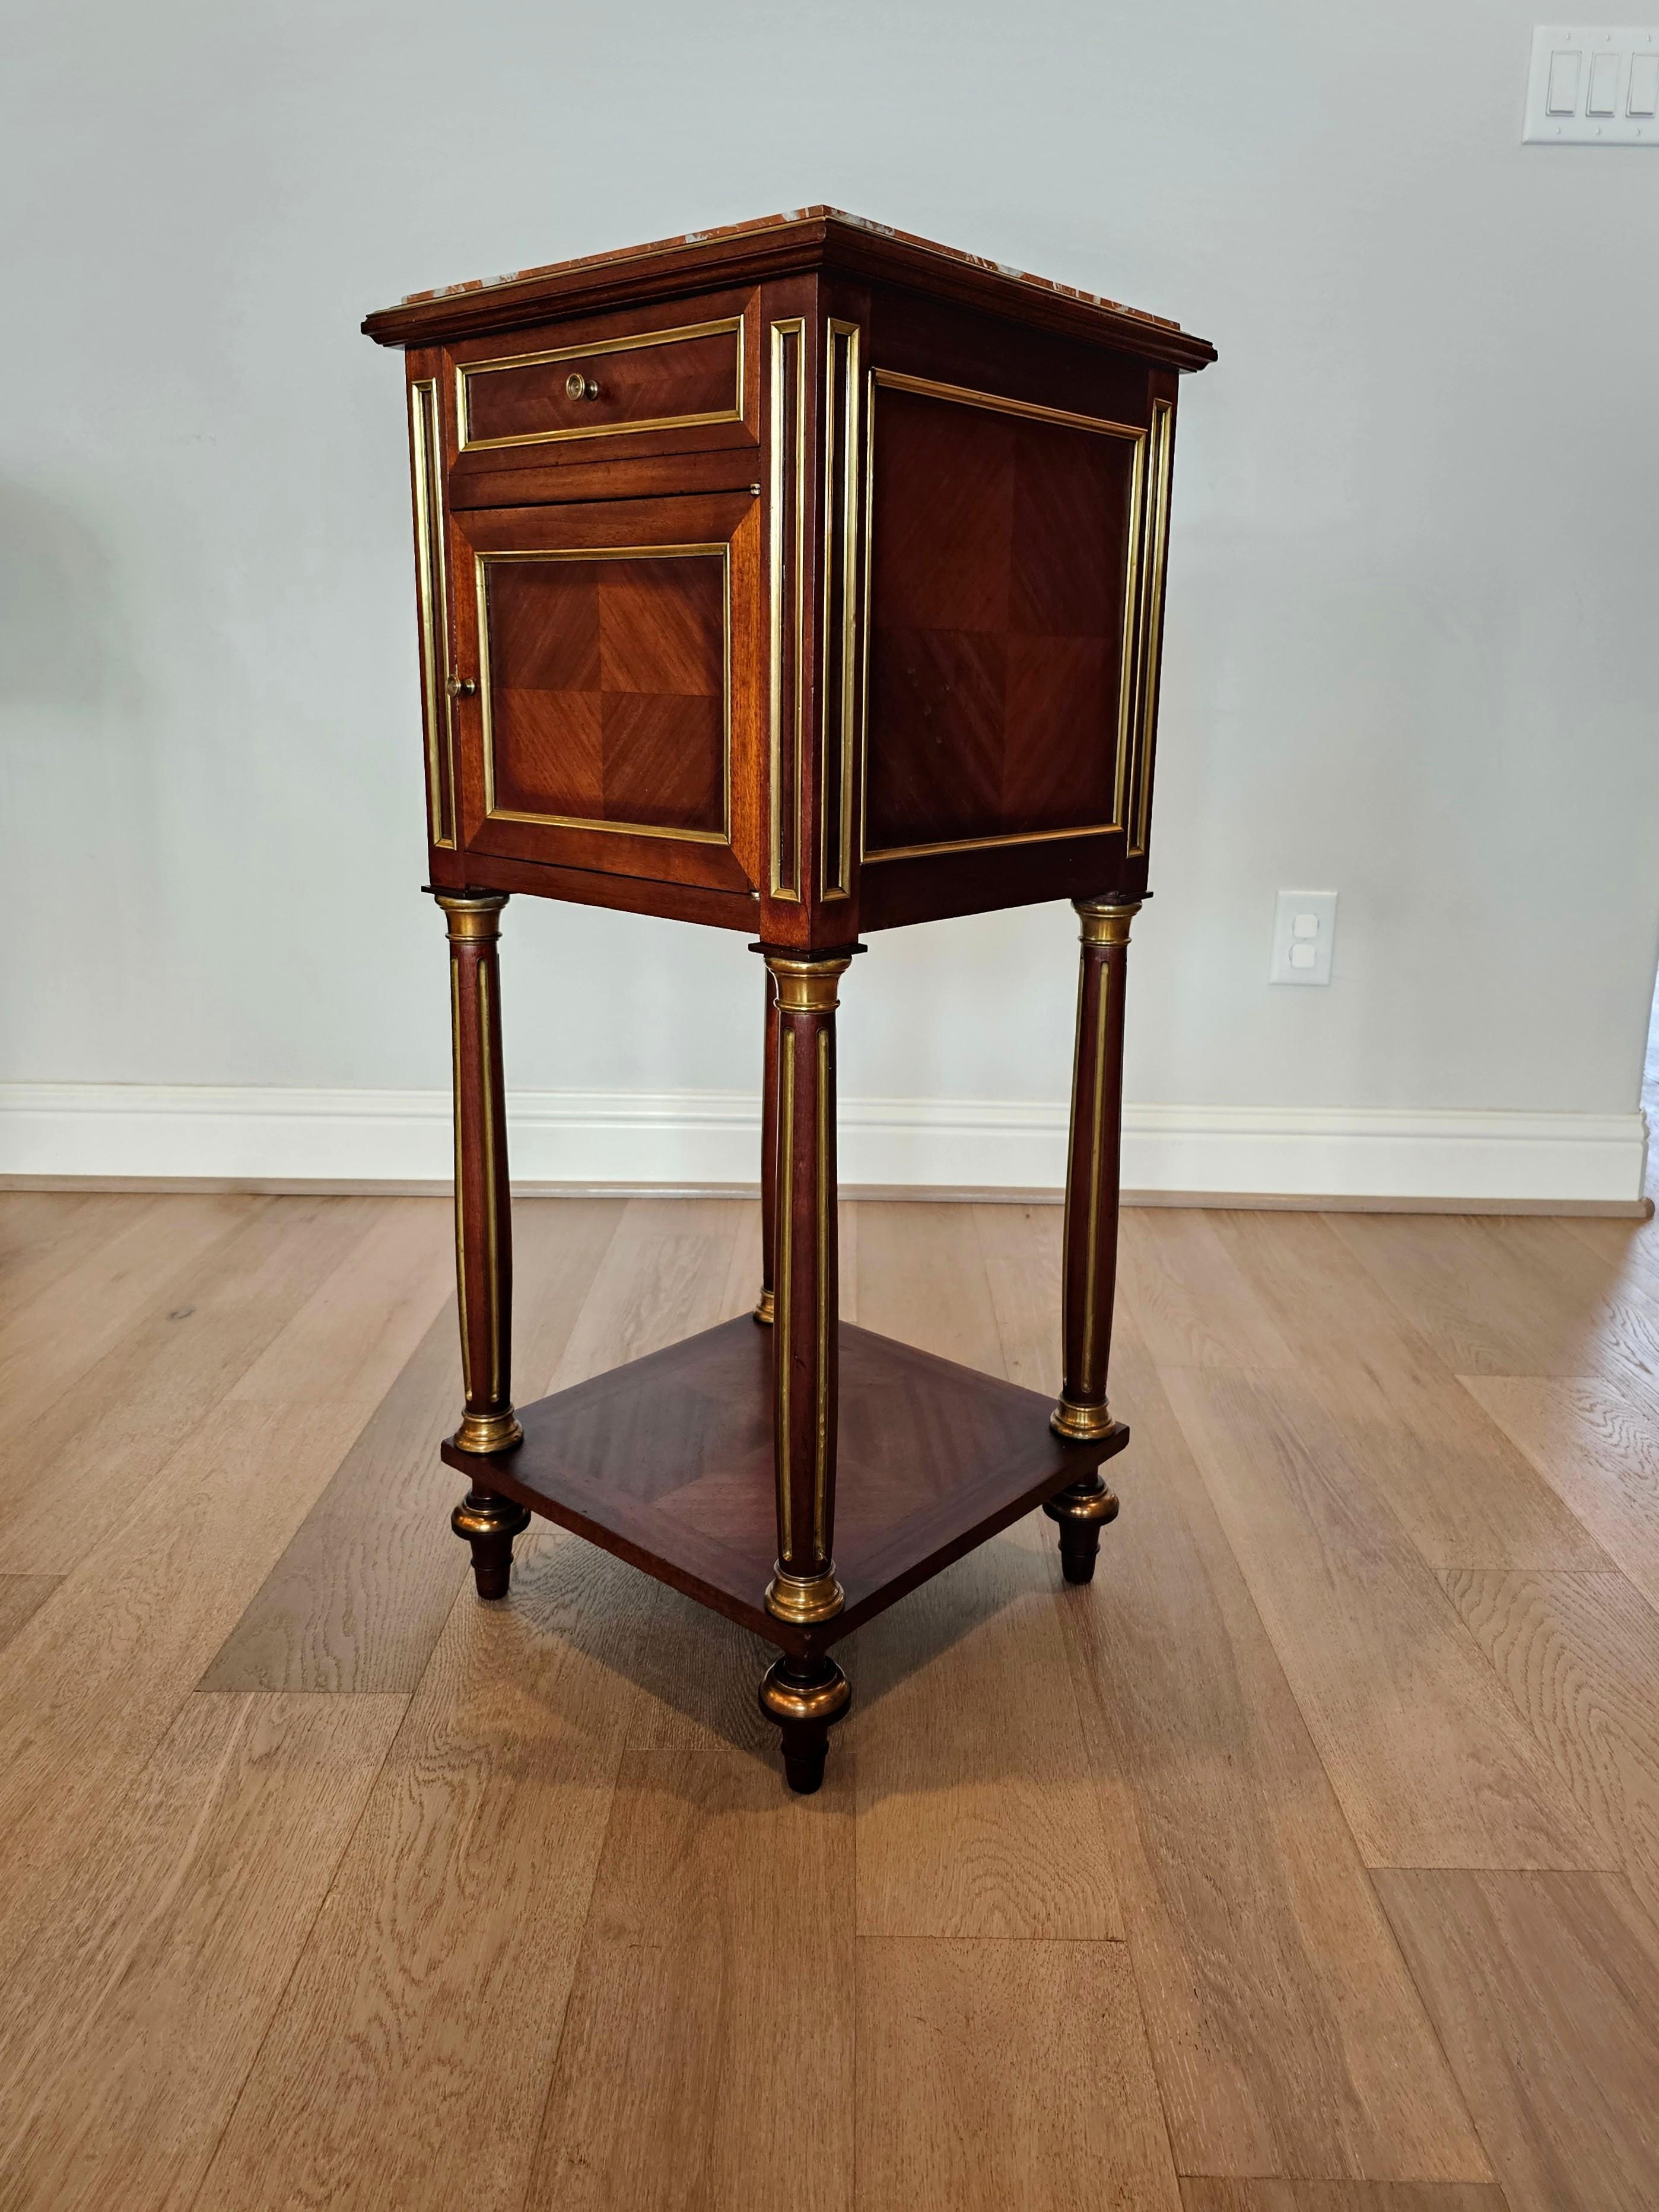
(62, 640)
(80, 790)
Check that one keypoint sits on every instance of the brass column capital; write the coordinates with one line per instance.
(807, 986)
(473, 917)
(1105, 922)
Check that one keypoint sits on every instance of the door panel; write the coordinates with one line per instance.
(613, 649)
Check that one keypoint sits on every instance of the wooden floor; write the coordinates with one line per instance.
(1309, 1861)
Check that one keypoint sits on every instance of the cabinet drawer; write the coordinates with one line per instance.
(607, 383)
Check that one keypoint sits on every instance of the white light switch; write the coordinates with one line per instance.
(1593, 88)
(1304, 926)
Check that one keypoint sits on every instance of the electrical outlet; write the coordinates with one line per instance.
(1304, 927)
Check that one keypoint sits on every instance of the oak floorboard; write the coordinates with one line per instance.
(1214, 2196)
(1598, 1449)
(21, 1598)
(360, 1596)
(126, 1414)
(1430, 1762)
(1545, 1988)
(1510, 1294)
(42, 1232)
(90, 1685)
(702, 1831)
(410, 2059)
(976, 1813)
(130, 2022)
(992, 2075)
(1579, 1655)
(921, 1278)
(1191, 1304)
(1287, 2036)
(706, 2074)
(1456, 1482)
(73, 1321)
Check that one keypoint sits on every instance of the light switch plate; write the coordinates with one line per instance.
(1593, 88)
(1305, 931)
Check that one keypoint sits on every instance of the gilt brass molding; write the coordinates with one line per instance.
(432, 602)
(1104, 922)
(720, 551)
(996, 403)
(466, 371)
(473, 917)
(823, 1701)
(487, 1432)
(1082, 1425)
(786, 565)
(802, 1600)
(1135, 780)
(842, 392)
(1095, 1504)
(806, 987)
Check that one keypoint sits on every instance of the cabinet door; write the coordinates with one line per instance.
(613, 652)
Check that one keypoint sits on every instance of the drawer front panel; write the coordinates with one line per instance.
(647, 380)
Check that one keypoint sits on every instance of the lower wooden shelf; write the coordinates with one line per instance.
(668, 1463)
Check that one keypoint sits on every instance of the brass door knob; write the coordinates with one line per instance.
(460, 687)
(577, 386)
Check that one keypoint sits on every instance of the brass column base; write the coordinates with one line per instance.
(1081, 1512)
(490, 1524)
(802, 1601)
(766, 1308)
(805, 1698)
(1081, 1424)
(488, 1432)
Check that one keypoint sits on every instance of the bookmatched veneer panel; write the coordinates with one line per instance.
(668, 1463)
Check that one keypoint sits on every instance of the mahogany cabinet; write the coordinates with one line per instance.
(804, 578)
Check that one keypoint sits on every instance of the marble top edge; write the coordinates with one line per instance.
(773, 222)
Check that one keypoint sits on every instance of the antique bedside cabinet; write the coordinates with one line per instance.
(802, 579)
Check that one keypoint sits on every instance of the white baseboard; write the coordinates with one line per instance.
(698, 1140)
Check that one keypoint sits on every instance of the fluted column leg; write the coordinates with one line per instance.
(483, 1227)
(1089, 1266)
(804, 1695)
(765, 1306)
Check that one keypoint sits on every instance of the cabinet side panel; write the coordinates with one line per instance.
(1003, 560)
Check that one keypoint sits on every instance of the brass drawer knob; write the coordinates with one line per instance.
(460, 687)
(577, 386)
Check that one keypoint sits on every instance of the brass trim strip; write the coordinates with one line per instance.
(432, 597)
(786, 557)
(1155, 542)
(842, 395)
(1135, 564)
(979, 844)
(465, 370)
(721, 549)
(995, 403)
(784, 1275)
(1128, 693)
(821, 1427)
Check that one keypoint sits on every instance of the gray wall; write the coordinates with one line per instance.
(1410, 633)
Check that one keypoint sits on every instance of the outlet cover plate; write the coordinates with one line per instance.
(1305, 933)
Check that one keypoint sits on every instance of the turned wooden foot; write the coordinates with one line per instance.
(805, 1698)
(490, 1524)
(1081, 1512)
